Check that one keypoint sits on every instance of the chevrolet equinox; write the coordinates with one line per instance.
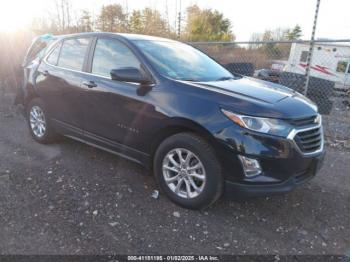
(203, 131)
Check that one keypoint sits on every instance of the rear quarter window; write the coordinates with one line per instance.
(53, 57)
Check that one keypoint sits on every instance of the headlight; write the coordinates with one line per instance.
(263, 125)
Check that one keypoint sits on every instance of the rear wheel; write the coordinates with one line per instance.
(187, 170)
(38, 122)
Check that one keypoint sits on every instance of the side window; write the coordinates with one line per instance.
(111, 54)
(73, 53)
(53, 57)
(303, 57)
(341, 67)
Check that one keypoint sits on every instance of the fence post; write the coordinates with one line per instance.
(311, 49)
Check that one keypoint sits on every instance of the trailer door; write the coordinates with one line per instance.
(347, 72)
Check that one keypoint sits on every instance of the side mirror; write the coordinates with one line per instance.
(129, 74)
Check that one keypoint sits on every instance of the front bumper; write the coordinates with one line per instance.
(283, 165)
(241, 190)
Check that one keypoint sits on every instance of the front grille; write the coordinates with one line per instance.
(302, 121)
(309, 141)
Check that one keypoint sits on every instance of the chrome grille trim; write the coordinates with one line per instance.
(296, 131)
(302, 121)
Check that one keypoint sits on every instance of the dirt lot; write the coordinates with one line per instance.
(70, 198)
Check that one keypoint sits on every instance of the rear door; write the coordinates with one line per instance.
(59, 83)
(30, 63)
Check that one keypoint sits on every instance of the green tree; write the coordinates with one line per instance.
(112, 18)
(207, 25)
(294, 34)
(135, 22)
(150, 22)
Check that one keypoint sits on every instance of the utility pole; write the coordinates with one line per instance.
(311, 49)
(175, 20)
(127, 21)
(179, 23)
(167, 16)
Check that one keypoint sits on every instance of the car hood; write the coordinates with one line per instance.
(260, 98)
(252, 89)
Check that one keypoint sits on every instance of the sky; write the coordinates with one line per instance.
(247, 16)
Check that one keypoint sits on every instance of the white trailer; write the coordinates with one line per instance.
(329, 61)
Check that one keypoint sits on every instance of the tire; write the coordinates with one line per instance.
(48, 135)
(202, 155)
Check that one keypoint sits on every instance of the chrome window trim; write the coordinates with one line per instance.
(68, 69)
(86, 73)
(81, 71)
(52, 48)
(295, 131)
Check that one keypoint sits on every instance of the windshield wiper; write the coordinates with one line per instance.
(190, 80)
(225, 78)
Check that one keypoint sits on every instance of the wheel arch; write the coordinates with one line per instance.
(29, 94)
(180, 125)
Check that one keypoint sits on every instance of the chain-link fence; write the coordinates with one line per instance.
(327, 82)
(285, 62)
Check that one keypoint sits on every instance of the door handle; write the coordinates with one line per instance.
(89, 84)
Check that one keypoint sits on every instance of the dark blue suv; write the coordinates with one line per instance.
(166, 105)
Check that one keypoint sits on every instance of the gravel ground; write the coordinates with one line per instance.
(337, 123)
(69, 198)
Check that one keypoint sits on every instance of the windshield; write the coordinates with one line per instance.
(182, 62)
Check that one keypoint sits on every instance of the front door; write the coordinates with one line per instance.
(114, 111)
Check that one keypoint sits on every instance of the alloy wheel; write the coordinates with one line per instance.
(37, 121)
(184, 173)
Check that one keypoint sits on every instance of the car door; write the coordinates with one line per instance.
(59, 82)
(114, 114)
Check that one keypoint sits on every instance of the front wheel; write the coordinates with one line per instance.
(188, 171)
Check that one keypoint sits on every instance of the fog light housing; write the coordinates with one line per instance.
(251, 166)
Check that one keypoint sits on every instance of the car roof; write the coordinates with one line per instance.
(130, 37)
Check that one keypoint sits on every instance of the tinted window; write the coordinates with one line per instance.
(341, 67)
(111, 54)
(73, 53)
(52, 59)
(181, 61)
(304, 55)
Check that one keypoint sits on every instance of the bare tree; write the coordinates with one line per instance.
(61, 19)
(85, 22)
